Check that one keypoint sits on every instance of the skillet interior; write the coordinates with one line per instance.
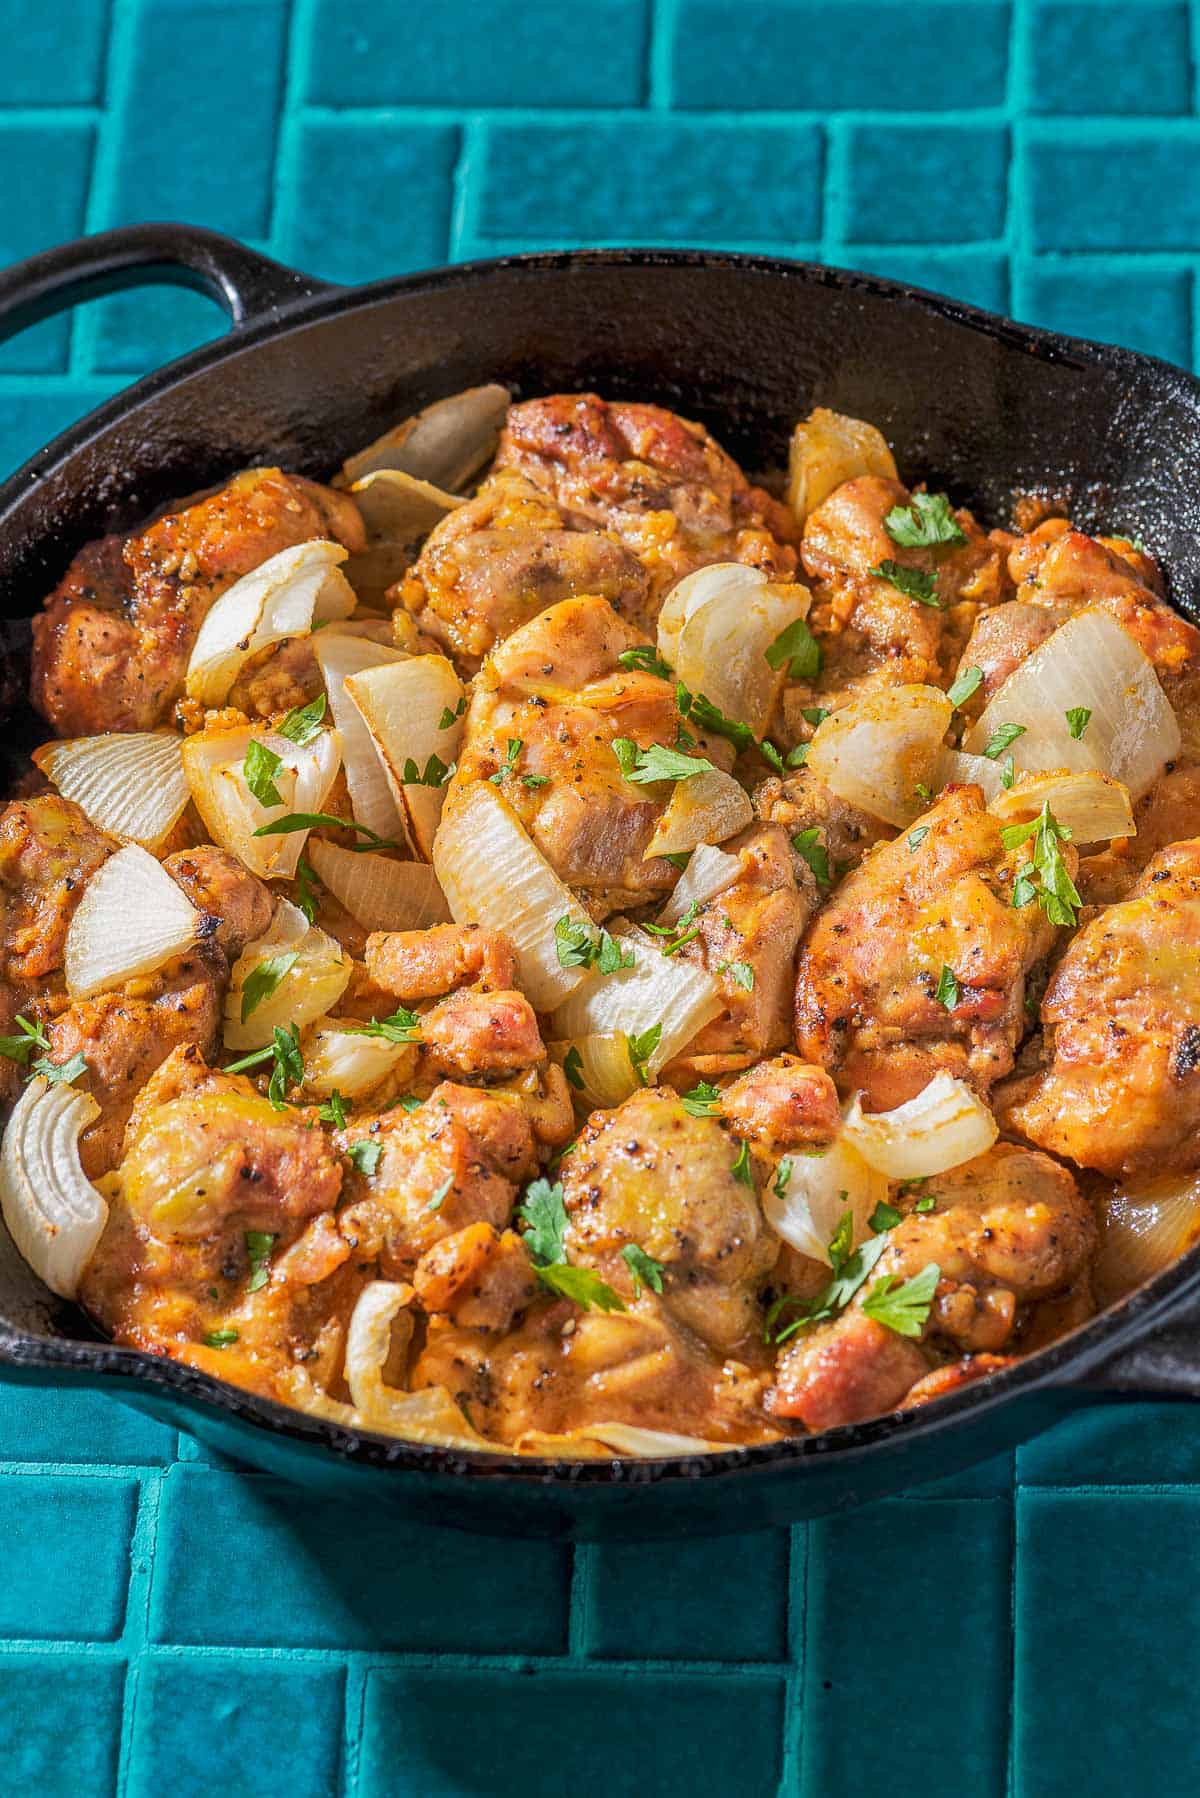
(980, 407)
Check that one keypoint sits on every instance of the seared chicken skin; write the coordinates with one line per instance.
(111, 648)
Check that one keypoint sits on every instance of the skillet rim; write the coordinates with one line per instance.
(1054, 1366)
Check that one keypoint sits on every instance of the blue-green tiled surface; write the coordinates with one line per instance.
(168, 1624)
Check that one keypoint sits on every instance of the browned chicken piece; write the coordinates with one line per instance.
(657, 482)
(871, 633)
(556, 688)
(237, 906)
(1168, 813)
(800, 802)
(425, 964)
(1059, 567)
(866, 992)
(652, 1176)
(111, 647)
(456, 1161)
(48, 853)
(783, 1104)
(953, 1377)
(1007, 1230)
(480, 1277)
(748, 938)
(496, 562)
(1120, 1089)
(126, 1034)
(1000, 640)
(561, 1370)
(474, 1032)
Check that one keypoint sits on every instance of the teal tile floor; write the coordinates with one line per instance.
(168, 1623)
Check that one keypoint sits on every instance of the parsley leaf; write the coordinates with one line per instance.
(611, 958)
(306, 885)
(644, 1268)
(947, 992)
(282, 827)
(580, 1285)
(259, 1244)
(1078, 718)
(284, 1051)
(435, 773)
(439, 1197)
(577, 945)
(409, 1102)
(917, 837)
(708, 717)
(914, 583)
(815, 714)
(333, 1111)
(303, 722)
(783, 1174)
(808, 844)
(928, 1203)
(21, 1047)
(849, 1273)
(259, 770)
(884, 1217)
(703, 1101)
(645, 657)
(515, 746)
(58, 1073)
(365, 1155)
(645, 766)
(797, 757)
(533, 781)
(1001, 737)
(771, 755)
(263, 979)
(903, 1309)
(403, 1026)
(740, 972)
(1045, 878)
(641, 1048)
(219, 1338)
(1008, 773)
(968, 682)
(925, 523)
(682, 931)
(798, 649)
(448, 717)
(742, 1170)
(544, 1214)
(573, 1067)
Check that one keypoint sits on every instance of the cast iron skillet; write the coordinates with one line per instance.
(310, 372)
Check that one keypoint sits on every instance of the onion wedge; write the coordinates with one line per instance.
(285, 597)
(658, 993)
(412, 710)
(943, 1126)
(709, 872)
(1144, 1229)
(338, 1058)
(131, 919)
(707, 809)
(716, 628)
(828, 449)
(1091, 664)
(308, 972)
(130, 784)
(601, 1073)
(54, 1214)
(429, 1415)
(380, 893)
(371, 799)
(957, 769)
(806, 1208)
(398, 508)
(493, 874)
(878, 750)
(445, 444)
(1093, 808)
(214, 763)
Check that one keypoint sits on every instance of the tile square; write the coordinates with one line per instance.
(1123, 1443)
(402, 173)
(217, 1724)
(73, 1747)
(446, 1734)
(43, 197)
(67, 36)
(1102, 186)
(62, 1424)
(309, 1576)
(923, 182)
(979, 276)
(724, 1599)
(1092, 56)
(66, 1556)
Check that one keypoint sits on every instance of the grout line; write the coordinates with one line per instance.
(294, 41)
(663, 18)
(136, 1632)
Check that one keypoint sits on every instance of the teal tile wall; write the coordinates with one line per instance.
(168, 1623)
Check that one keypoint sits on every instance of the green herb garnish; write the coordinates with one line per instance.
(967, 683)
(303, 722)
(259, 771)
(796, 649)
(914, 583)
(903, 1309)
(263, 979)
(259, 1244)
(808, 845)
(644, 1268)
(925, 523)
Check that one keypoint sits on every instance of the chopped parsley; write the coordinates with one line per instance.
(641, 1048)
(643, 767)
(532, 781)
(580, 1285)
(260, 770)
(439, 1197)
(1008, 773)
(925, 523)
(647, 660)
(259, 1244)
(674, 936)
(303, 722)
(448, 717)
(740, 972)
(577, 945)
(815, 714)
(797, 650)
(31, 1036)
(219, 1338)
(435, 773)
(967, 684)
(1045, 877)
(903, 1308)
(947, 992)
(771, 755)
(365, 1155)
(917, 837)
(573, 1067)
(409, 1102)
(512, 756)
(306, 885)
(914, 583)
(808, 845)
(263, 979)
(284, 1051)
(703, 1101)
(544, 1215)
(783, 1174)
(742, 1170)
(1001, 737)
(849, 1273)
(928, 1203)
(1078, 718)
(797, 757)
(282, 827)
(333, 1111)
(645, 1269)
(884, 1217)
(403, 1026)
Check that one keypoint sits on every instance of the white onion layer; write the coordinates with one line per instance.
(315, 981)
(877, 751)
(428, 1415)
(446, 443)
(943, 1126)
(380, 893)
(214, 764)
(411, 709)
(371, 798)
(715, 630)
(709, 872)
(819, 1189)
(658, 990)
(131, 919)
(130, 784)
(827, 449)
(54, 1214)
(284, 597)
(1093, 808)
(709, 808)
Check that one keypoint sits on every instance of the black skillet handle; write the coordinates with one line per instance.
(247, 285)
